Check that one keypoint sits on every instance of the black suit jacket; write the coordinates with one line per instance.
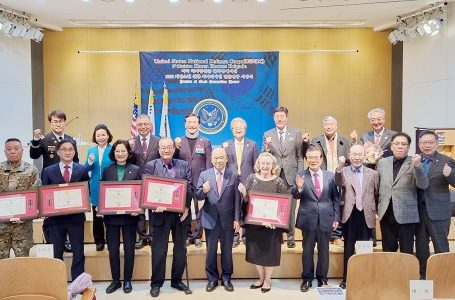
(152, 152)
(53, 175)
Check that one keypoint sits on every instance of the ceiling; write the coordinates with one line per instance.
(56, 14)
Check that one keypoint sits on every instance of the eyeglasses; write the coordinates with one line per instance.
(376, 119)
(400, 144)
(66, 149)
(55, 122)
(143, 124)
(427, 143)
(313, 158)
(168, 148)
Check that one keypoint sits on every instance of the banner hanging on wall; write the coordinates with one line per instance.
(217, 86)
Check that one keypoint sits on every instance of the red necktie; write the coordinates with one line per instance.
(144, 146)
(317, 185)
(219, 182)
(66, 174)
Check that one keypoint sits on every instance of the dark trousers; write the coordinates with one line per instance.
(310, 238)
(47, 239)
(113, 244)
(394, 233)
(337, 233)
(197, 233)
(144, 229)
(291, 232)
(225, 236)
(178, 230)
(75, 231)
(355, 229)
(98, 228)
(437, 231)
(238, 235)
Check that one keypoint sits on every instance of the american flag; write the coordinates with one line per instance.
(133, 130)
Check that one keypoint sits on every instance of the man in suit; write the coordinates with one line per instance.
(196, 150)
(285, 143)
(400, 176)
(242, 154)
(220, 217)
(164, 222)
(72, 225)
(145, 149)
(318, 215)
(332, 147)
(434, 201)
(46, 146)
(359, 194)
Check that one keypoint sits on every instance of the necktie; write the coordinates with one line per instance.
(426, 165)
(377, 138)
(358, 190)
(219, 182)
(144, 146)
(238, 154)
(317, 185)
(60, 138)
(281, 141)
(66, 174)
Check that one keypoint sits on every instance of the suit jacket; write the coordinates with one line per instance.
(437, 195)
(402, 191)
(385, 141)
(182, 171)
(343, 147)
(47, 147)
(95, 171)
(249, 156)
(370, 193)
(201, 157)
(132, 172)
(221, 208)
(53, 175)
(152, 152)
(291, 158)
(313, 211)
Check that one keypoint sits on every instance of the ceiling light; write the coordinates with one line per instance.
(260, 0)
(129, 1)
(173, 1)
(217, 1)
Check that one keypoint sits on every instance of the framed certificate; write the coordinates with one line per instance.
(274, 209)
(168, 193)
(18, 205)
(63, 199)
(120, 197)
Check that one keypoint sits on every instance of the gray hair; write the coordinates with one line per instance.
(235, 120)
(142, 116)
(376, 110)
(329, 118)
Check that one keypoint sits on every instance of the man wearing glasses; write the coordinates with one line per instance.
(400, 176)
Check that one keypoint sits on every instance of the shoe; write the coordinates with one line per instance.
(291, 242)
(188, 242)
(100, 247)
(180, 286)
(140, 244)
(67, 247)
(127, 287)
(211, 286)
(228, 286)
(322, 282)
(305, 286)
(254, 287)
(198, 243)
(338, 242)
(265, 290)
(115, 285)
(155, 291)
(343, 284)
(150, 241)
(235, 244)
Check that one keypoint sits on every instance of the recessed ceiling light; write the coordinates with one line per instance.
(129, 1)
(173, 1)
(217, 1)
(260, 0)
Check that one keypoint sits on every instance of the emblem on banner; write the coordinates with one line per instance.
(212, 114)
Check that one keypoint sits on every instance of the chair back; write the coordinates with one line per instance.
(441, 269)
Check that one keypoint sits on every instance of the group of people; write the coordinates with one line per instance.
(344, 188)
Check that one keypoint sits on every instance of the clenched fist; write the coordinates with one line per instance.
(206, 187)
(268, 141)
(416, 160)
(446, 170)
(341, 162)
(354, 135)
(225, 145)
(37, 134)
(306, 137)
(300, 181)
(178, 143)
(242, 189)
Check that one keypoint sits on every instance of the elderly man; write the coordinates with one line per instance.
(434, 201)
(359, 193)
(165, 222)
(16, 175)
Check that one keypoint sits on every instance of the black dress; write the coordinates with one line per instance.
(263, 245)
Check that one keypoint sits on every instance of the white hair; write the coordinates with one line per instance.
(235, 120)
(376, 110)
(328, 118)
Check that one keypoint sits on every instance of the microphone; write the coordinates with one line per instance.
(75, 118)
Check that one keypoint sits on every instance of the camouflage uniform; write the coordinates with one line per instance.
(18, 236)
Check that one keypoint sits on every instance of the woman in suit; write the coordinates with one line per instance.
(121, 170)
(97, 160)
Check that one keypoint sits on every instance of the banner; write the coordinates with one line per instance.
(217, 86)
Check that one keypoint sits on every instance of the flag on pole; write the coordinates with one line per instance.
(151, 109)
(164, 126)
(133, 130)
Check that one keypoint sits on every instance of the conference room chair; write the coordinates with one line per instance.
(441, 269)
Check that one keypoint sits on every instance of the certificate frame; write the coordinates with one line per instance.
(283, 209)
(134, 186)
(31, 205)
(175, 204)
(46, 195)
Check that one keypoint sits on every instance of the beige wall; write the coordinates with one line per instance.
(99, 88)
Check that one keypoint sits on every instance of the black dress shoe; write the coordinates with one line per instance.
(265, 290)
(155, 291)
(254, 287)
(211, 286)
(322, 282)
(228, 286)
(67, 247)
(305, 286)
(198, 243)
(343, 284)
(99, 247)
(127, 287)
(140, 244)
(235, 244)
(180, 286)
(115, 285)
(291, 243)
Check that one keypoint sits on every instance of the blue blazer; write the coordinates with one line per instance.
(97, 171)
(53, 175)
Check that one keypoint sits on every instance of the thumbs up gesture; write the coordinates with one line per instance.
(446, 170)
(206, 187)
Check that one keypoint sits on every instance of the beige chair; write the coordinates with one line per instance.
(35, 278)
(381, 275)
(441, 269)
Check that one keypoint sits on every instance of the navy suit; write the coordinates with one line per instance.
(71, 225)
(166, 222)
(126, 223)
(218, 215)
(315, 218)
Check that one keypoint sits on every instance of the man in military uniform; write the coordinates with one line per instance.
(16, 175)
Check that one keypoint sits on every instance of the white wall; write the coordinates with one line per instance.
(429, 79)
(15, 92)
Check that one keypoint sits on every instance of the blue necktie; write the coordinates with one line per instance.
(426, 165)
